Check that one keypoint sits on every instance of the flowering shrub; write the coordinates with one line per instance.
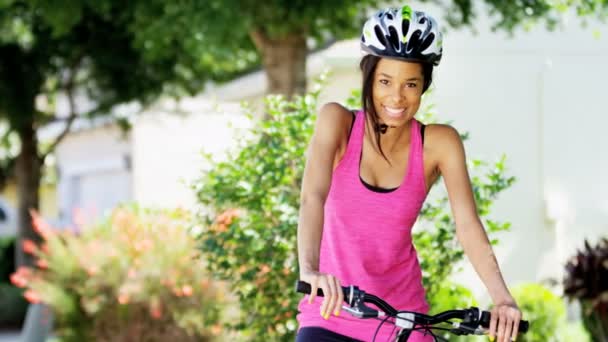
(136, 276)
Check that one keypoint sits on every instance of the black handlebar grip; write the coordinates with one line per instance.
(304, 287)
(485, 322)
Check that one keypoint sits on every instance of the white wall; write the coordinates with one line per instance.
(167, 148)
(537, 98)
(153, 165)
(94, 172)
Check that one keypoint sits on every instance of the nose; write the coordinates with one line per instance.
(397, 95)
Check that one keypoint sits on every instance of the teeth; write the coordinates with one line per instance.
(395, 110)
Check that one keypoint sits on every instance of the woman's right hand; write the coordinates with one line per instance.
(333, 297)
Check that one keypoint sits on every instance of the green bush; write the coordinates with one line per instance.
(254, 247)
(573, 331)
(545, 311)
(7, 258)
(250, 209)
(448, 297)
(137, 275)
(451, 296)
(14, 306)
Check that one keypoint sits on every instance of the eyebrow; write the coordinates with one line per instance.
(409, 79)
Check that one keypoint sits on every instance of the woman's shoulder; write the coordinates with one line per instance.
(334, 118)
(335, 112)
(443, 141)
(441, 133)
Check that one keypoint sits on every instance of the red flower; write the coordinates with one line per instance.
(21, 277)
(45, 248)
(29, 246)
(187, 290)
(40, 226)
(178, 292)
(221, 228)
(31, 296)
(123, 298)
(132, 273)
(264, 269)
(216, 329)
(156, 309)
(43, 264)
(92, 270)
(228, 216)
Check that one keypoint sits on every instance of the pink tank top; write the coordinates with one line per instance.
(367, 240)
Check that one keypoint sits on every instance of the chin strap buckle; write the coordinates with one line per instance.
(382, 128)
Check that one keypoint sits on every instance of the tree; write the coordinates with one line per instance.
(107, 51)
(277, 30)
(118, 52)
(281, 29)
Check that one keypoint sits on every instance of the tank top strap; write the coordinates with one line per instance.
(416, 167)
(416, 138)
(355, 142)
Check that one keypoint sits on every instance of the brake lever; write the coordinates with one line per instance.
(362, 311)
(470, 323)
(357, 307)
(463, 329)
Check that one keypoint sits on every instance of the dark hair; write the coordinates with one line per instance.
(368, 67)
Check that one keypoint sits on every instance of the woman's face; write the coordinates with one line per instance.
(397, 89)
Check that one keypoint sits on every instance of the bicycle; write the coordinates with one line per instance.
(472, 320)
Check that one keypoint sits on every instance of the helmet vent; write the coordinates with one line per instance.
(380, 36)
(414, 42)
(393, 38)
(427, 41)
(405, 27)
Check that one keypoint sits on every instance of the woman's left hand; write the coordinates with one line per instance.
(504, 322)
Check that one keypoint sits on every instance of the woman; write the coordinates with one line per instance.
(366, 178)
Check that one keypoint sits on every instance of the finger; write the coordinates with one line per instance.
(508, 329)
(333, 298)
(502, 322)
(326, 296)
(516, 326)
(493, 323)
(340, 300)
(313, 289)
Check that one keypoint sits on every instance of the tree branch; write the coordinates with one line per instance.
(69, 87)
(260, 39)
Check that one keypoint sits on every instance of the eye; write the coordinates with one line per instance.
(411, 85)
(384, 81)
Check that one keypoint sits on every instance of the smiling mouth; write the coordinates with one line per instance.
(394, 112)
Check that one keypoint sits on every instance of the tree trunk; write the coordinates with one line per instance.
(284, 60)
(28, 173)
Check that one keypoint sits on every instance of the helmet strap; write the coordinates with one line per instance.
(382, 128)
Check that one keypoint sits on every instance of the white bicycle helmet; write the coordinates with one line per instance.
(402, 34)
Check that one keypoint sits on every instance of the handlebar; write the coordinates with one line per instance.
(471, 318)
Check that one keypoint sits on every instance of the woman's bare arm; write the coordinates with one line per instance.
(325, 144)
(470, 231)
